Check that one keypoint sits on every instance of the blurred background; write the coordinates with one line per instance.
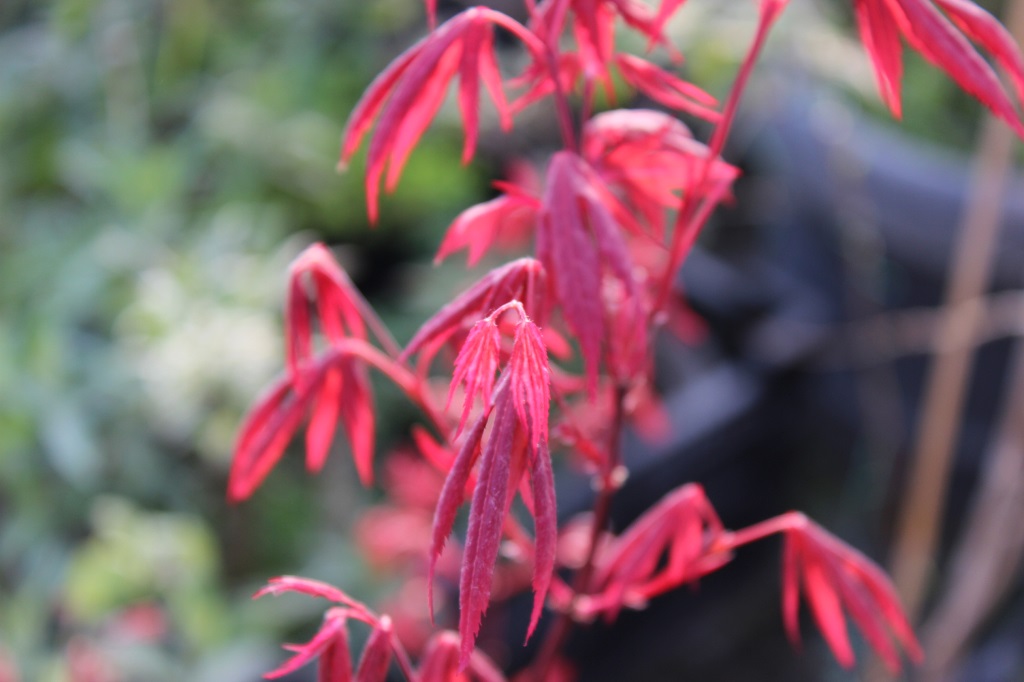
(161, 162)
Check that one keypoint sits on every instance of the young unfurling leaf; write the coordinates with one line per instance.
(475, 366)
(530, 377)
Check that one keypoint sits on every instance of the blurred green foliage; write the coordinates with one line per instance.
(163, 160)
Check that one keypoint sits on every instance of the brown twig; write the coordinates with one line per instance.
(938, 426)
(991, 544)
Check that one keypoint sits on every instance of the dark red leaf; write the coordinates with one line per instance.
(486, 518)
(452, 495)
(545, 515)
(571, 259)
(531, 378)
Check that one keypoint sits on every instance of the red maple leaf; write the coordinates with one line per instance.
(317, 389)
(944, 40)
(593, 25)
(579, 240)
(650, 158)
(406, 96)
(479, 227)
(835, 576)
(475, 366)
(664, 88)
(682, 526)
(330, 385)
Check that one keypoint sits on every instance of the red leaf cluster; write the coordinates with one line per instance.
(945, 40)
(407, 95)
(327, 387)
(835, 576)
(521, 280)
(330, 643)
(516, 448)
(671, 544)
(440, 661)
(607, 251)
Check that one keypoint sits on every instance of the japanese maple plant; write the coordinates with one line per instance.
(550, 355)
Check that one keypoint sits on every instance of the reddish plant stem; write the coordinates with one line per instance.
(609, 481)
(760, 531)
(694, 211)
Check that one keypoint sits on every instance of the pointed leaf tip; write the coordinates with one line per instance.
(376, 657)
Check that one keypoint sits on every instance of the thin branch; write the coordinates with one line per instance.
(938, 426)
